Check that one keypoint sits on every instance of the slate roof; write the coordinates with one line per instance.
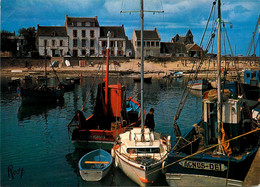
(94, 20)
(51, 31)
(148, 35)
(167, 47)
(116, 31)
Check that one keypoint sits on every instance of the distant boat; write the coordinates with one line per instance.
(200, 84)
(95, 165)
(146, 79)
(68, 85)
(177, 74)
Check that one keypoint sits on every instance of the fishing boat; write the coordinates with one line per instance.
(219, 149)
(199, 84)
(141, 153)
(113, 114)
(141, 160)
(41, 94)
(95, 165)
(68, 85)
(178, 74)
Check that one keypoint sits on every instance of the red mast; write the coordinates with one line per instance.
(107, 69)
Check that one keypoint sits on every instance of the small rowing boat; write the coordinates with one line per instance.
(95, 165)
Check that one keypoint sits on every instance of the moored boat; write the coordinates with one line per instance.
(199, 84)
(220, 148)
(113, 114)
(141, 160)
(95, 165)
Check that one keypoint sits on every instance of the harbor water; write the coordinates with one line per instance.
(36, 149)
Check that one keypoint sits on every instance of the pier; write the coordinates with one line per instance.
(253, 175)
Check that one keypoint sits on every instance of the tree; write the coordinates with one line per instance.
(7, 42)
(30, 37)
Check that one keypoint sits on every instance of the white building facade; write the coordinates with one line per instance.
(117, 40)
(151, 43)
(83, 36)
(52, 41)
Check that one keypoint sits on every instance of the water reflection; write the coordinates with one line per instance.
(25, 112)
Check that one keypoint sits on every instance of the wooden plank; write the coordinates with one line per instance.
(252, 177)
(96, 162)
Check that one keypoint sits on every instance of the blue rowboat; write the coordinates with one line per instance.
(95, 165)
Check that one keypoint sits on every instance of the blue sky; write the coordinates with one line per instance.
(178, 16)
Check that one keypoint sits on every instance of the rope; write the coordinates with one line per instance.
(255, 130)
(85, 102)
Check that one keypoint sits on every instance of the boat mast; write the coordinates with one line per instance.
(142, 69)
(107, 69)
(219, 102)
(45, 64)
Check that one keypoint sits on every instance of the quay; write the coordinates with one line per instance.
(253, 175)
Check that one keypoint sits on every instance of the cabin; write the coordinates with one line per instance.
(251, 77)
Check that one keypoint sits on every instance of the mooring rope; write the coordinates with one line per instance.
(239, 136)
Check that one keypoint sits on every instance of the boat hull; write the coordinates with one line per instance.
(138, 173)
(106, 145)
(205, 168)
(199, 180)
(198, 84)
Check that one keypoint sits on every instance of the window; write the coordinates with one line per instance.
(92, 52)
(83, 44)
(53, 43)
(92, 33)
(61, 42)
(83, 24)
(75, 53)
(61, 52)
(143, 150)
(148, 44)
(152, 44)
(119, 44)
(104, 43)
(74, 23)
(75, 33)
(92, 43)
(45, 52)
(45, 43)
(144, 44)
(247, 75)
(139, 44)
(157, 44)
(75, 43)
(83, 52)
(83, 33)
(92, 24)
(112, 43)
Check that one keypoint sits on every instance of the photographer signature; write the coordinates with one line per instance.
(12, 172)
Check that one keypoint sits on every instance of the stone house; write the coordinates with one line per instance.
(117, 41)
(151, 43)
(173, 49)
(52, 40)
(187, 39)
(83, 35)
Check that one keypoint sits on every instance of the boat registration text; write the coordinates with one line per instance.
(203, 165)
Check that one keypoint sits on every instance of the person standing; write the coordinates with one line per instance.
(149, 120)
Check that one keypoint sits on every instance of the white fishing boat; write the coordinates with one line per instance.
(141, 160)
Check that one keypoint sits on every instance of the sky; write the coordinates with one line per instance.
(178, 17)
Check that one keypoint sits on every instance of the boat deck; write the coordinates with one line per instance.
(252, 177)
